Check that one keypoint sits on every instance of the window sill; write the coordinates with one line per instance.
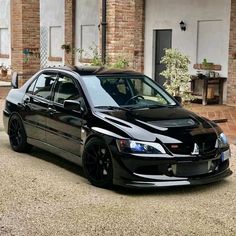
(55, 58)
(4, 56)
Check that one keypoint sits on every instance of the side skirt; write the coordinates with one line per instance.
(60, 152)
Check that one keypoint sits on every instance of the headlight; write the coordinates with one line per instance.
(222, 141)
(131, 146)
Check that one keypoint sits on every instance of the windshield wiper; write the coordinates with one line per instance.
(162, 105)
(112, 108)
(153, 106)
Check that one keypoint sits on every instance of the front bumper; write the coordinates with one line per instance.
(153, 181)
(136, 172)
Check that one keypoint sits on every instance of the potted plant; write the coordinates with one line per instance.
(4, 70)
(177, 75)
(66, 47)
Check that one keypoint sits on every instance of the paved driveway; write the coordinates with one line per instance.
(41, 194)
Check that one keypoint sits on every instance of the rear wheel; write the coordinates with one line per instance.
(17, 135)
(97, 163)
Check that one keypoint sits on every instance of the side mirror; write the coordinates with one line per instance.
(71, 105)
(14, 80)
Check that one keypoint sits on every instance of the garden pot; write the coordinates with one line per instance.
(4, 73)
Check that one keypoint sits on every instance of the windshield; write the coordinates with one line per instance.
(126, 91)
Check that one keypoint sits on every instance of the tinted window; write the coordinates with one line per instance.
(43, 86)
(132, 91)
(31, 87)
(143, 87)
(65, 90)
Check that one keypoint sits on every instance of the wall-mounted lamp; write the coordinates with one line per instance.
(182, 25)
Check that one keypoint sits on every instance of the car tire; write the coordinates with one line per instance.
(97, 163)
(17, 135)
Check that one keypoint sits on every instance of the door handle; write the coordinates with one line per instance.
(51, 111)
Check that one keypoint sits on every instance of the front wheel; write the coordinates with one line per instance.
(97, 163)
(17, 135)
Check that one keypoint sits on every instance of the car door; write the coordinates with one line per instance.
(36, 100)
(65, 126)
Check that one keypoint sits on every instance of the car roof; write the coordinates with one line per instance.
(96, 70)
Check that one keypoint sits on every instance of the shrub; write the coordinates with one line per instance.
(177, 74)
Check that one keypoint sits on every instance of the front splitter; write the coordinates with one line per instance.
(158, 181)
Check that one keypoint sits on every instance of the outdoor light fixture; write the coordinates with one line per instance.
(182, 26)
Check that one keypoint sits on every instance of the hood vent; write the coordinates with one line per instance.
(174, 123)
(118, 122)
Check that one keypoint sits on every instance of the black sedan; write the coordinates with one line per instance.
(120, 126)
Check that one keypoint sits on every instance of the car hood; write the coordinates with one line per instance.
(168, 125)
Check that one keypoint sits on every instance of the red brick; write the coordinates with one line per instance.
(25, 33)
(70, 29)
(231, 96)
(125, 32)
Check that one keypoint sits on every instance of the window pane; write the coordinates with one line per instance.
(44, 85)
(4, 41)
(148, 92)
(65, 89)
(56, 41)
(137, 91)
(31, 87)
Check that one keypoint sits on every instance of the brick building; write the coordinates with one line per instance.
(33, 31)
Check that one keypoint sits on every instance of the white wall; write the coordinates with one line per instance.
(52, 17)
(166, 14)
(6, 35)
(87, 21)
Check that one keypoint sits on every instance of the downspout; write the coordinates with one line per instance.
(104, 30)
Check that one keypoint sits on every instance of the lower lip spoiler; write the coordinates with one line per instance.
(155, 181)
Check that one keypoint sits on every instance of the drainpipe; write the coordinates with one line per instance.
(104, 25)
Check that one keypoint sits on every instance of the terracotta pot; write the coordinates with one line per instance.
(4, 73)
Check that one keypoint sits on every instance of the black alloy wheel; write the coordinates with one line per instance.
(17, 135)
(97, 163)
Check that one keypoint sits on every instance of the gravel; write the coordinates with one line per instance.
(42, 194)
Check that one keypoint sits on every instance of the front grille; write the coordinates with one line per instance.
(190, 169)
(205, 147)
(184, 169)
(182, 149)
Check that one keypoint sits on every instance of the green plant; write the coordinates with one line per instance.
(96, 58)
(66, 47)
(177, 74)
(121, 63)
(207, 65)
(30, 53)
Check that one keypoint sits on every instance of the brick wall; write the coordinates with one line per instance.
(231, 94)
(139, 35)
(69, 29)
(125, 31)
(25, 33)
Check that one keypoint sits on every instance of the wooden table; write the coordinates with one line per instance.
(206, 82)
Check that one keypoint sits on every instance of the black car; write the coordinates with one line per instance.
(120, 126)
